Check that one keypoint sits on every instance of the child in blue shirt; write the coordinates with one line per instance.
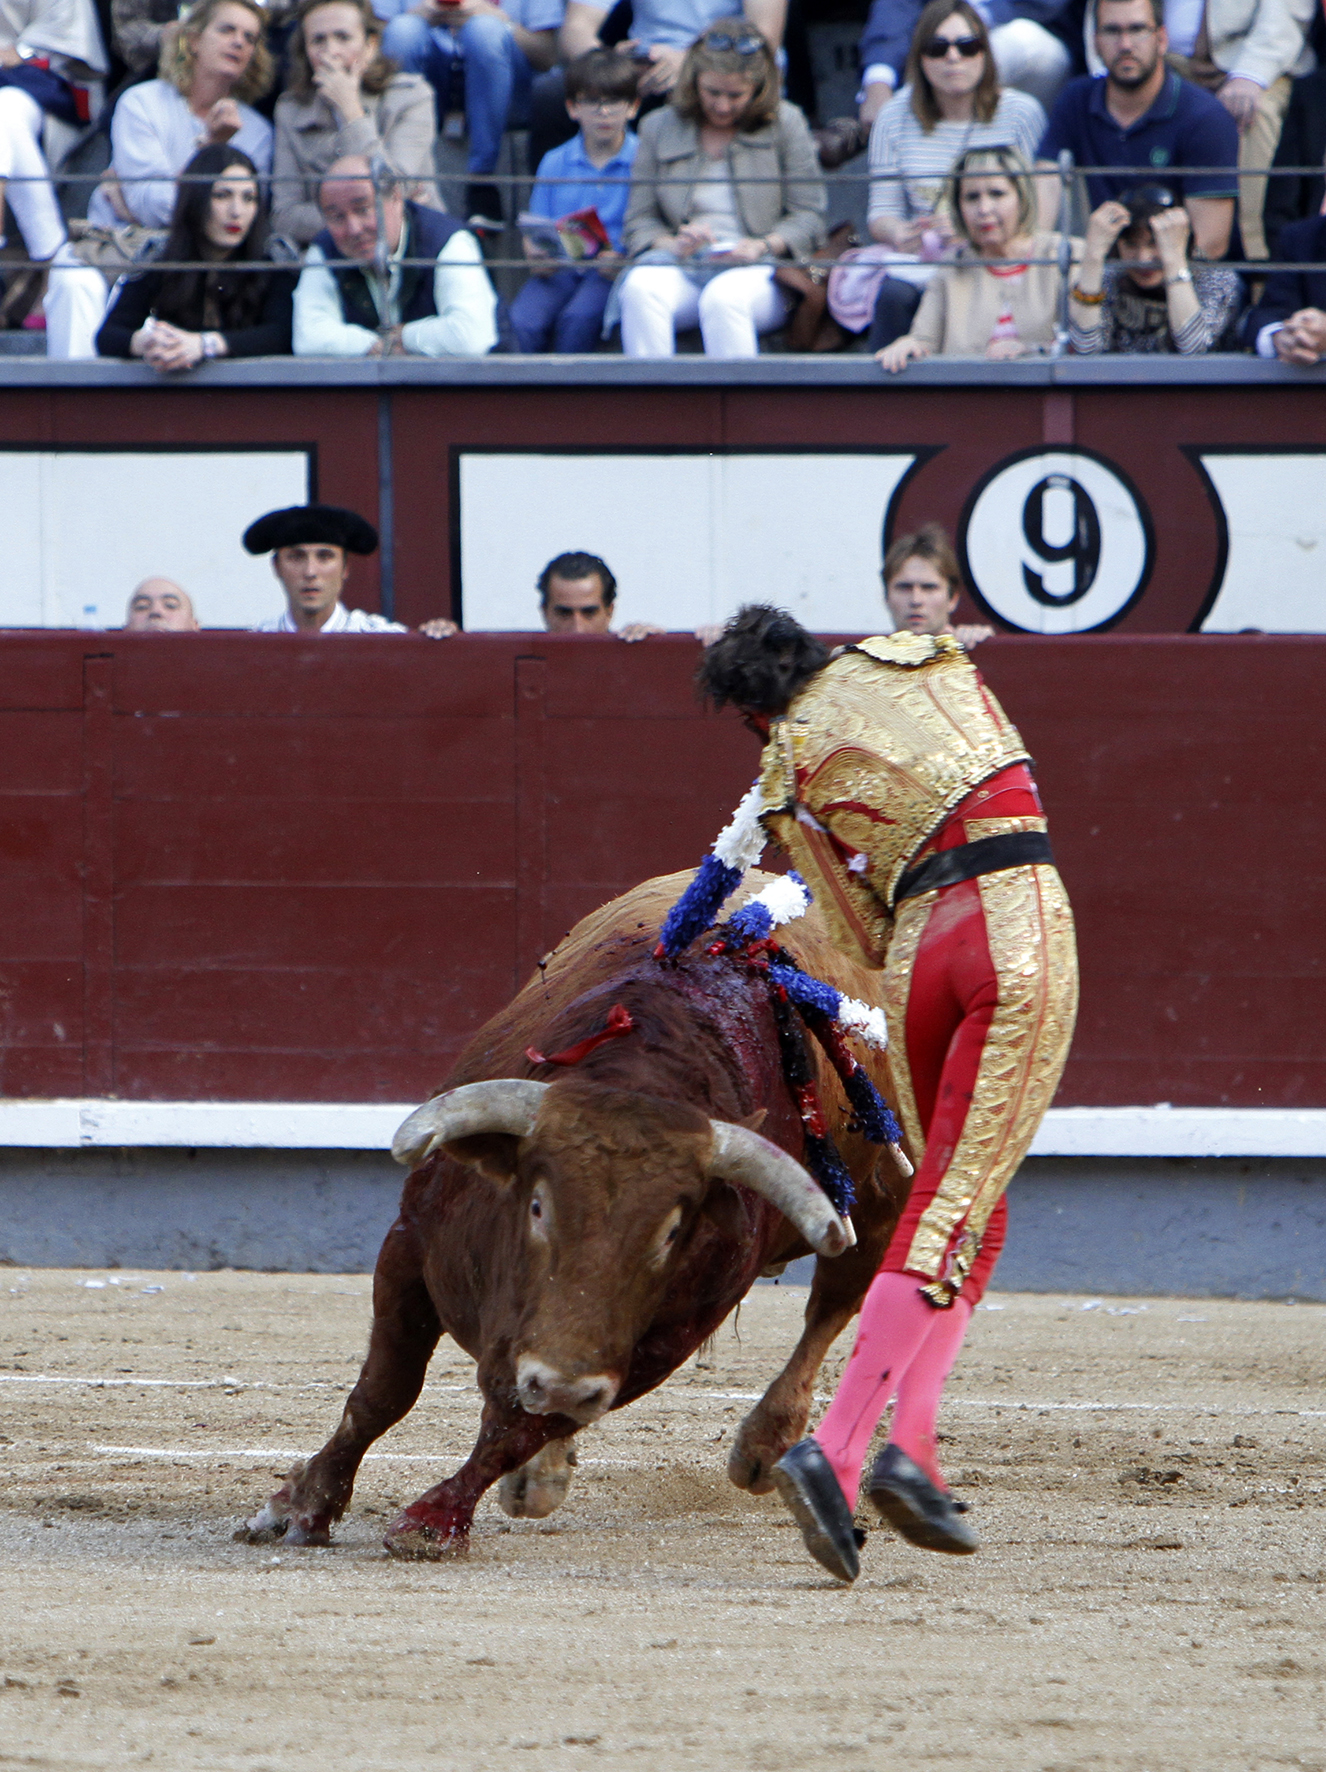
(561, 306)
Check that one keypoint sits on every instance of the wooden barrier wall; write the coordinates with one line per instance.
(248, 867)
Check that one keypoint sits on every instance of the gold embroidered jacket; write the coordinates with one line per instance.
(866, 765)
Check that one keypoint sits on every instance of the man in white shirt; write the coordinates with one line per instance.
(310, 545)
(346, 307)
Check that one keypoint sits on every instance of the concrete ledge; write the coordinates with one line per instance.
(777, 370)
(1127, 1132)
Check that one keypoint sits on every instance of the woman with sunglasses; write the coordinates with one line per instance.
(951, 102)
(1135, 290)
(704, 240)
(1002, 294)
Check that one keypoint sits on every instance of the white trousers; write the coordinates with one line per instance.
(731, 310)
(1031, 58)
(76, 294)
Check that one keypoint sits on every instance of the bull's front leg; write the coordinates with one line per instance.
(404, 1333)
(438, 1524)
(779, 1419)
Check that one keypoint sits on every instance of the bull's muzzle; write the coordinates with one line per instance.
(543, 1390)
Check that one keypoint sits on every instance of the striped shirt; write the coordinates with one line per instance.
(1130, 321)
(898, 143)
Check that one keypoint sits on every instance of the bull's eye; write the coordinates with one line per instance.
(536, 1207)
(673, 1234)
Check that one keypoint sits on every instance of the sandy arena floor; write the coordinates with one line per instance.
(1148, 1479)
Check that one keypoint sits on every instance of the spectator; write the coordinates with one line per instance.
(160, 606)
(996, 310)
(1245, 52)
(353, 311)
(922, 585)
(952, 101)
(576, 596)
(661, 33)
(1295, 196)
(1289, 321)
(310, 545)
(704, 241)
(1026, 54)
(49, 51)
(500, 49)
(1142, 114)
(212, 66)
(561, 306)
(1147, 298)
(178, 319)
(345, 98)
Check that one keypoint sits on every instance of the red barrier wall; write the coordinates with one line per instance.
(243, 867)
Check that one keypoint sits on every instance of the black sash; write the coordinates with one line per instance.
(987, 855)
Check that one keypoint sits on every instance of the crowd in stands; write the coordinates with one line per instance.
(273, 187)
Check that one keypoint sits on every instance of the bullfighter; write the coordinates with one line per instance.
(904, 796)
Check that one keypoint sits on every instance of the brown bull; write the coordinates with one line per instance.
(582, 1236)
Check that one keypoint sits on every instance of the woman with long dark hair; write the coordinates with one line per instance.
(177, 319)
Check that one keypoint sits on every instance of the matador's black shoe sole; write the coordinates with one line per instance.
(805, 1480)
(920, 1510)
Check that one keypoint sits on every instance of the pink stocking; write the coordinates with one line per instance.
(923, 1384)
(895, 1320)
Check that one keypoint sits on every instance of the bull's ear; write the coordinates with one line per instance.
(722, 1206)
(492, 1153)
(754, 1121)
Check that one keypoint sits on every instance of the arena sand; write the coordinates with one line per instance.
(1147, 1476)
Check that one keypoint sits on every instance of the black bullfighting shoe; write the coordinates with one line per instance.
(807, 1484)
(916, 1507)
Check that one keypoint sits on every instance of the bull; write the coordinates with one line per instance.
(581, 1232)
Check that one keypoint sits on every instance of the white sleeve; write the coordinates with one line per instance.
(1266, 339)
(465, 324)
(879, 73)
(140, 151)
(320, 328)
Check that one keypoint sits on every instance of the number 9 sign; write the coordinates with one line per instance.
(1056, 541)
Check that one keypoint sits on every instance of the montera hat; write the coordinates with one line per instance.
(301, 524)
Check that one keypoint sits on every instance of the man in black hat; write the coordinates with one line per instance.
(310, 545)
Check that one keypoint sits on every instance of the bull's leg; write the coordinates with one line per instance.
(438, 1524)
(779, 1419)
(539, 1487)
(405, 1331)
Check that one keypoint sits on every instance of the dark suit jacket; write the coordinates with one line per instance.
(1302, 143)
(1288, 291)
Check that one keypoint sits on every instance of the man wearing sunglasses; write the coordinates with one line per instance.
(1142, 114)
(1028, 50)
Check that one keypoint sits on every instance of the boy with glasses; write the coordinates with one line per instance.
(1143, 114)
(561, 307)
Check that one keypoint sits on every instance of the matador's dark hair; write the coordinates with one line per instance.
(762, 659)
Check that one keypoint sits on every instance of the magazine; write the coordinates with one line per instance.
(572, 237)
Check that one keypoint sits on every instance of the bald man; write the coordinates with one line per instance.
(159, 606)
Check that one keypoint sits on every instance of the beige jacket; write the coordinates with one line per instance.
(1254, 39)
(400, 123)
(793, 207)
(963, 302)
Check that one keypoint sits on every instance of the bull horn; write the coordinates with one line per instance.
(502, 1104)
(745, 1157)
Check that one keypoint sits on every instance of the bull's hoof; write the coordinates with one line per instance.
(415, 1541)
(750, 1470)
(539, 1487)
(276, 1519)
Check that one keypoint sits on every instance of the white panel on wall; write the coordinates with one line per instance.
(1275, 514)
(98, 523)
(690, 537)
